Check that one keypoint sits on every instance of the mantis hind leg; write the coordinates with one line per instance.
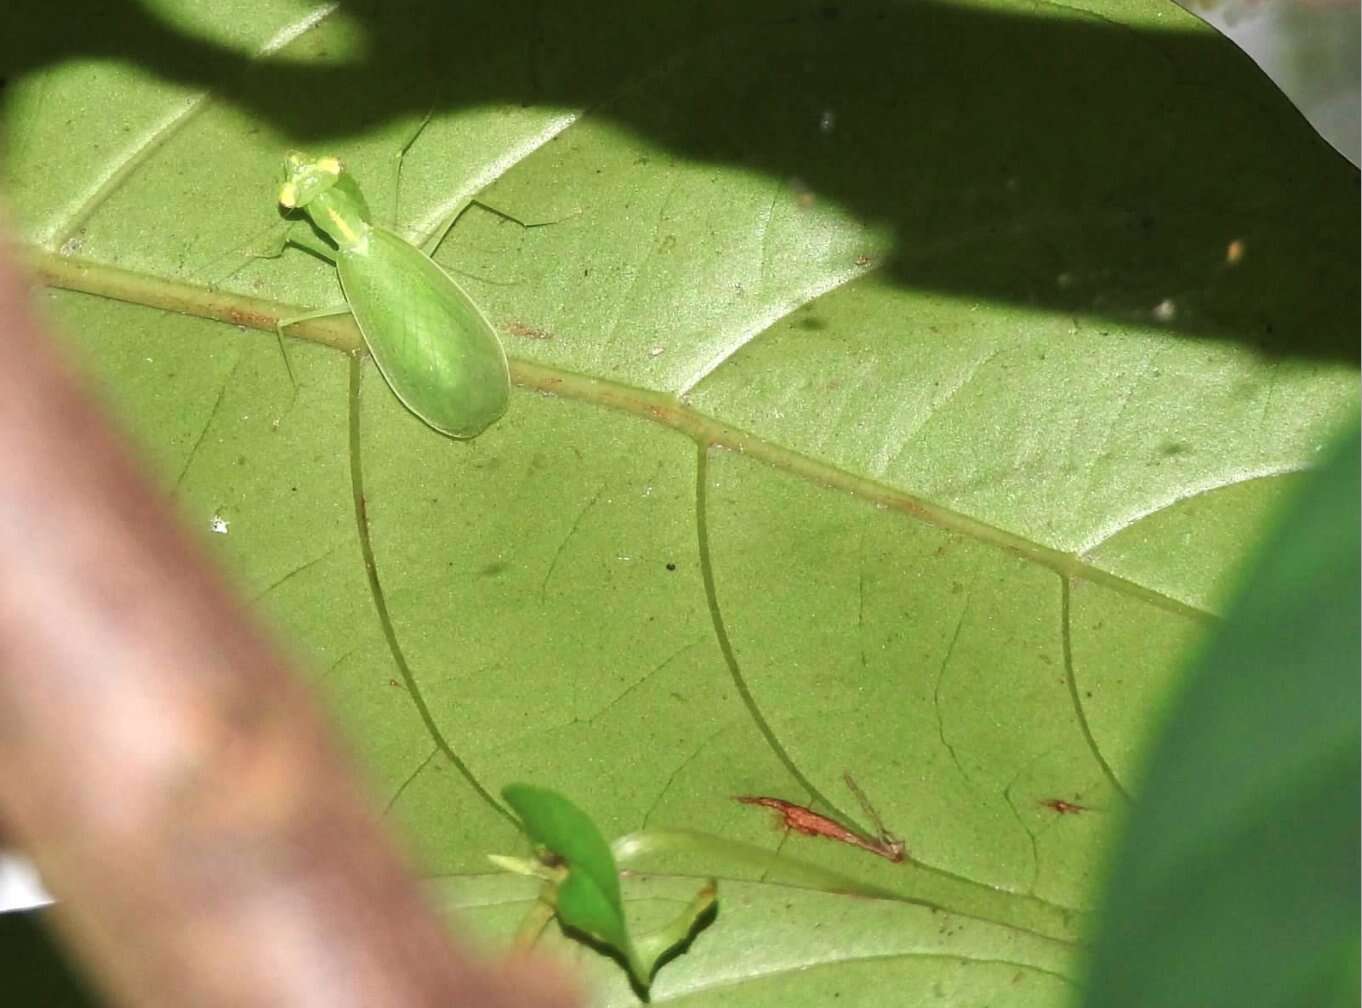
(432, 242)
(399, 157)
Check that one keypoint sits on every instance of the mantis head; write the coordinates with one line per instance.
(306, 178)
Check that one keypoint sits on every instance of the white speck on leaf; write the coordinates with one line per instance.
(218, 524)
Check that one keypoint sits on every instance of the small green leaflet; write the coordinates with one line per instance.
(584, 889)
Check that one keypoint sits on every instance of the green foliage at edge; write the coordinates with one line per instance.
(1237, 881)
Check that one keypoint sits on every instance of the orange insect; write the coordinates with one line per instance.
(805, 820)
(1063, 807)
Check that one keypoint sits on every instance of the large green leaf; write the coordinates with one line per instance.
(899, 386)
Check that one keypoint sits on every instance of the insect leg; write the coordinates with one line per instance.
(431, 244)
(398, 158)
(284, 323)
(302, 236)
(296, 234)
(888, 845)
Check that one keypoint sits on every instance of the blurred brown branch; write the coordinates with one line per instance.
(178, 788)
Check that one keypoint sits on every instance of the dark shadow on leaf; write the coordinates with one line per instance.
(609, 951)
(1051, 158)
(682, 947)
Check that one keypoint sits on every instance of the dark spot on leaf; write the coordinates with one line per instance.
(493, 569)
(811, 324)
(671, 566)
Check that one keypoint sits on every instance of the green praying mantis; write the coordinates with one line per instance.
(431, 341)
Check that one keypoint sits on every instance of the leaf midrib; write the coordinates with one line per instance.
(666, 410)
